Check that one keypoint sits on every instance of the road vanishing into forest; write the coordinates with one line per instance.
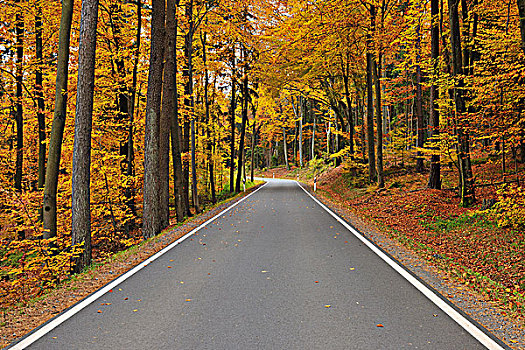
(277, 271)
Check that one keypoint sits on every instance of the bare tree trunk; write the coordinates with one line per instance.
(465, 168)
(379, 124)
(59, 121)
(245, 99)
(521, 11)
(300, 133)
(209, 142)
(180, 205)
(351, 126)
(435, 167)
(313, 134)
(372, 175)
(419, 104)
(129, 193)
(232, 123)
(285, 149)
(254, 138)
(151, 223)
(188, 100)
(165, 120)
(80, 196)
(19, 113)
(170, 103)
(39, 92)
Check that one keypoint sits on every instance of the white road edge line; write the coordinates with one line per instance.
(456, 316)
(71, 312)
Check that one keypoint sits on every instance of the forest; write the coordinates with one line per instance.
(121, 118)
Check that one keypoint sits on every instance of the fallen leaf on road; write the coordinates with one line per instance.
(352, 268)
(135, 310)
(264, 271)
(380, 325)
(188, 300)
(99, 311)
(327, 305)
(316, 281)
(169, 267)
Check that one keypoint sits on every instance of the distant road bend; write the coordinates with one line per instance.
(277, 271)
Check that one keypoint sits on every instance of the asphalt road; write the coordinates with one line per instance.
(276, 272)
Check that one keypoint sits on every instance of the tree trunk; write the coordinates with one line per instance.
(521, 11)
(39, 92)
(175, 131)
(465, 168)
(285, 149)
(253, 144)
(419, 104)
(151, 223)
(189, 101)
(170, 104)
(313, 135)
(300, 134)
(19, 113)
(188, 87)
(165, 118)
(245, 99)
(59, 121)
(130, 156)
(232, 123)
(379, 124)
(80, 195)
(351, 126)
(435, 167)
(372, 175)
(209, 122)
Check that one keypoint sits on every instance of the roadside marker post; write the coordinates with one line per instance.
(315, 183)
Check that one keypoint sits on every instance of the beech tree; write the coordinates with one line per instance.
(59, 121)
(151, 221)
(80, 195)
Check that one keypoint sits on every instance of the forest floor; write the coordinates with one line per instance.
(16, 321)
(461, 252)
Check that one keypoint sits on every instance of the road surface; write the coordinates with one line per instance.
(275, 272)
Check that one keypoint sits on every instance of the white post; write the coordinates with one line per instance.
(315, 183)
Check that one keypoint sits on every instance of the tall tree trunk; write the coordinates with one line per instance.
(465, 167)
(254, 138)
(232, 122)
(188, 87)
(379, 123)
(372, 175)
(151, 223)
(245, 99)
(521, 11)
(435, 167)
(80, 195)
(351, 126)
(59, 121)
(39, 92)
(130, 156)
(209, 122)
(313, 129)
(285, 149)
(164, 129)
(300, 107)
(419, 104)
(169, 103)
(170, 76)
(189, 100)
(19, 113)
